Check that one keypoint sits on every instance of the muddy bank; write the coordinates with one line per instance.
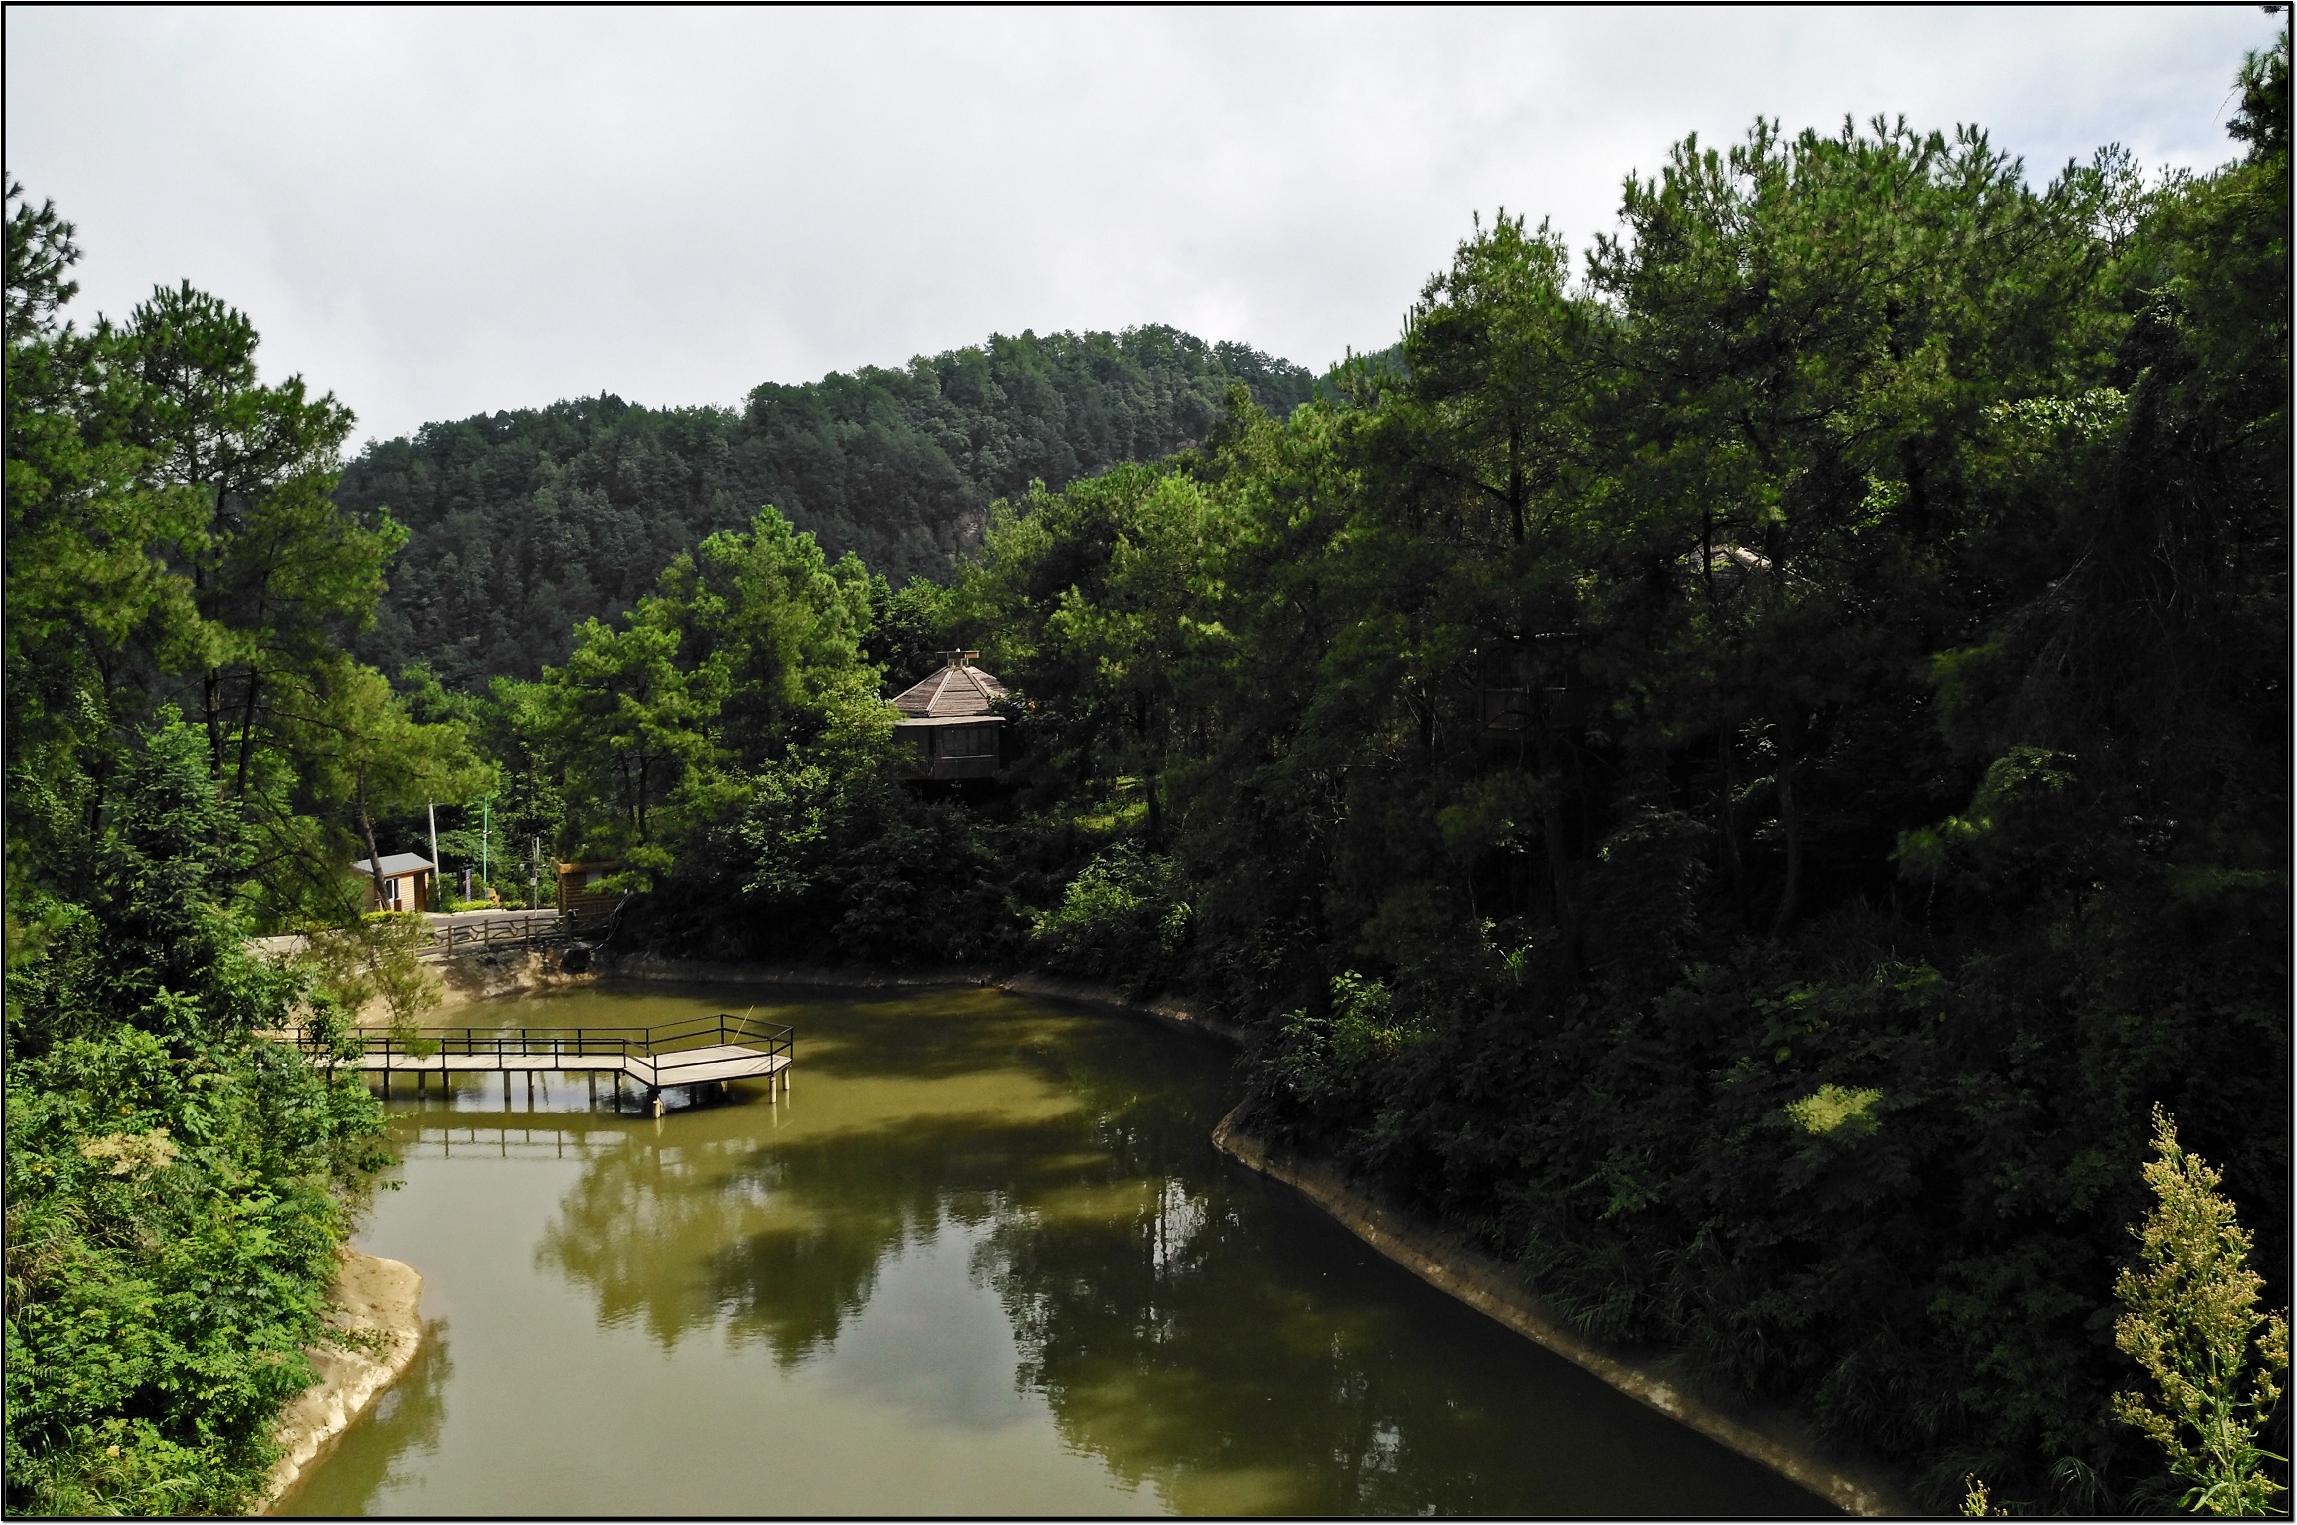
(502, 973)
(375, 1303)
(1446, 1262)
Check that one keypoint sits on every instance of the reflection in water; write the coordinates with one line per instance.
(986, 1261)
(405, 1421)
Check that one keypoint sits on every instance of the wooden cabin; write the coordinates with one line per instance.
(406, 882)
(950, 721)
(580, 890)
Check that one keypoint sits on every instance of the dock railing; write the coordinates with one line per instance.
(651, 1054)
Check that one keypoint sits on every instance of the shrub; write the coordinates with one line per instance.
(1118, 918)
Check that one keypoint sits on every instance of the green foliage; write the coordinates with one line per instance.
(375, 959)
(1119, 918)
(171, 1222)
(1339, 1063)
(651, 733)
(2191, 1323)
(526, 523)
(173, 1171)
(2026, 775)
(174, 541)
(1834, 1111)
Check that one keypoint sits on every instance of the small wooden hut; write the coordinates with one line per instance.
(580, 891)
(406, 882)
(949, 719)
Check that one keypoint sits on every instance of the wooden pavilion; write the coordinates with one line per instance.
(950, 718)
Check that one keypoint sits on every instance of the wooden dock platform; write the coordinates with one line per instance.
(655, 1058)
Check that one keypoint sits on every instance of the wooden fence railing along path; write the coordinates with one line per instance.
(698, 1051)
(446, 935)
(453, 935)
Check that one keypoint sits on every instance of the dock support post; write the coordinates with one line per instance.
(654, 1102)
(592, 1077)
(617, 1090)
(506, 1090)
(422, 1081)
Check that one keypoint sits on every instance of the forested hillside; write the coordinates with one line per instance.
(1740, 775)
(523, 524)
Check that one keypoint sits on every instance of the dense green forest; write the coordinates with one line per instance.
(1740, 773)
(1745, 768)
(525, 523)
(189, 757)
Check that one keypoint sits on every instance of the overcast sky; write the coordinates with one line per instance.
(435, 213)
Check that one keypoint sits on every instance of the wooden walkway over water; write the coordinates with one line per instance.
(701, 1051)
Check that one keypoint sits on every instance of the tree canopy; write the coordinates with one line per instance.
(526, 523)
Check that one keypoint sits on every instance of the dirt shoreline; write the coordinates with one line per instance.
(1440, 1259)
(376, 1302)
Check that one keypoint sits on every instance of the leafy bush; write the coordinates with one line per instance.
(1335, 1067)
(171, 1212)
(1119, 918)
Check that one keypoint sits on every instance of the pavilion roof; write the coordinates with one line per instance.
(955, 690)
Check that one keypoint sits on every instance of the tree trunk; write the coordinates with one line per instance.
(367, 831)
(211, 681)
(1559, 875)
(1515, 492)
(1727, 811)
(211, 712)
(1916, 513)
(1559, 879)
(1790, 823)
(247, 729)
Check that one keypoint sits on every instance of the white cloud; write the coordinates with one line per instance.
(441, 212)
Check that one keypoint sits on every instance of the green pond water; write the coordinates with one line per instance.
(983, 1259)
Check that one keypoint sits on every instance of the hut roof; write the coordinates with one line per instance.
(395, 864)
(958, 690)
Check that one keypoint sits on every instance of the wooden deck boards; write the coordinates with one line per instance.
(693, 1066)
(656, 1058)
